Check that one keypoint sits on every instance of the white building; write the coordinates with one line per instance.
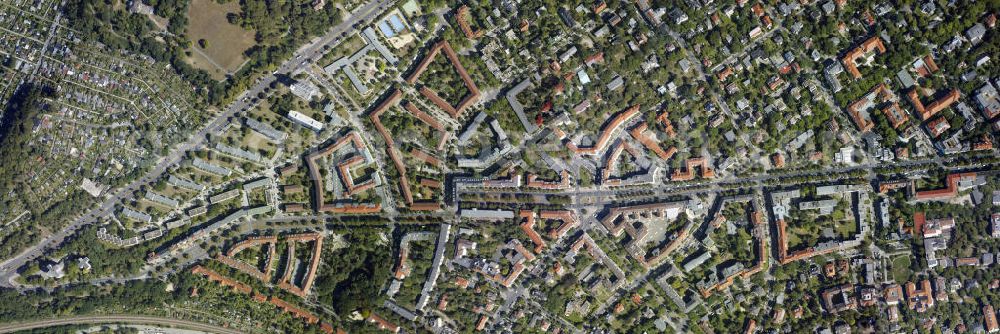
(304, 90)
(305, 121)
(995, 225)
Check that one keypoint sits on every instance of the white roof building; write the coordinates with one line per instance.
(305, 121)
(83, 263)
(476, 214)
(584, 77)
(54, 271)
(304, 90)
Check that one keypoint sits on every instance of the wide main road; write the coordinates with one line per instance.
(300, 60)
(116, 319)
(668, 188)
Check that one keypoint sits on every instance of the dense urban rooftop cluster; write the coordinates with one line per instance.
(700, 166)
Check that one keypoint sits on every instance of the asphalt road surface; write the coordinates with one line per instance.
(300, 60)
(116, 319)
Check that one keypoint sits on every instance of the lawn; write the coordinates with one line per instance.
(257, 197)
(443, 79)
(806, 228)
(226, 42)
(255, 142)
(255, 256)
(403, 124)
(801, 236)
(198, 176)
(177, 193)
(249, 140)
(152, 208)
(901, 268)
(738, 246)
(846, 229)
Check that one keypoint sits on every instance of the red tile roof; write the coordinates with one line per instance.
(919, 299)
(425, 157)
(938, 126)
(416, 112)
(223, 280)
(687, 173)
(725, 73)
(949, 191)
(932, 109)
(985, 144)
(606, 133)
(562, 183)
(895, 115)
(514, 274)
(481, 324)
(647, 141)
(474, 93)
(352, 208)
(294, 310)
(751, 326)
(461, 16)
(528, 226)
(430, 183)
(343, 169)
(568, 221)
(393, 151)
(383, 324)
(871, 44)
(668, 127)
(425, 206)
(594, 59)
(778, 160)
(990, 319)
(857, 110)
(247, 268)
(429, 120)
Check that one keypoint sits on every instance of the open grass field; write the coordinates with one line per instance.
(901, 268)
(177, 193)
(255, 142)
(802, 237)
(226, 42)
(846, 229)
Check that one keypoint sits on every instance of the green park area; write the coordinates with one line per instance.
(217, 45)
